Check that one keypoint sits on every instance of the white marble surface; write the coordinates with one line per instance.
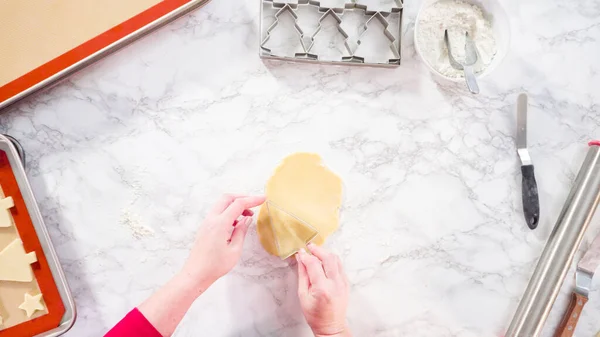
(432, 232)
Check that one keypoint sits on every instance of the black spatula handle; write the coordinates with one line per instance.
(531, 199)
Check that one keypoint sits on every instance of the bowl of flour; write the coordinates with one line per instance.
(487, 24)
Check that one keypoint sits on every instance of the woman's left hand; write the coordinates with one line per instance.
(220, 239)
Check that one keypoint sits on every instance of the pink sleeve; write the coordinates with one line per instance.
(134, 324)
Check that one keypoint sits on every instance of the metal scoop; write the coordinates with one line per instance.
(467, 65)
(290, 233)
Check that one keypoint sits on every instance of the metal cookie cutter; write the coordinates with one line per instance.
(334, 13)
(290, 9)
(394, 9)
(394, 47)
(320, 8)
(351, 43)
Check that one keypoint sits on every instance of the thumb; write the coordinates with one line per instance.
(303, 282)
(239, 233)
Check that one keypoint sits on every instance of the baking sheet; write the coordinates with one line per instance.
(32, 32)
(12, 293)
(50, 278)
(44, 41)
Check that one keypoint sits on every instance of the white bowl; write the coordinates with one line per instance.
(493, 11)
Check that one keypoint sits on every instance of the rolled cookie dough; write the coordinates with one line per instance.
(31, 304)
(291, 232)
(5, 205)
(15, 263)
(304, 187)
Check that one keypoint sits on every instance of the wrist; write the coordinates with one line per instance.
(194, 282)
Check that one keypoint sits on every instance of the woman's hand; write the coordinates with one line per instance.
(216, 251)
(323, 290)
(220, 239)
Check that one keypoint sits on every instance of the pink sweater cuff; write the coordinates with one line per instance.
(134, 325)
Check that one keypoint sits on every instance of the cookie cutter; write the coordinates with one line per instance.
(381, 16)
(354, 4)
(289, 8)
(307, 41)
(334, 13)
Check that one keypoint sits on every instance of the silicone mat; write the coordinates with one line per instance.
(43, 41)
(16, 322)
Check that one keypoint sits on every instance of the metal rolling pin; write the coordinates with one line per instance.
(555, 261)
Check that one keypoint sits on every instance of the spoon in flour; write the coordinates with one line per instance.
(467, 65)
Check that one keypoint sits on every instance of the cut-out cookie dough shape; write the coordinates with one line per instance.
(301, 185)
(32, 304)
(5, 205)
(15, 264)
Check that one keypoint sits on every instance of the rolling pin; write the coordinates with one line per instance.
(556, 259)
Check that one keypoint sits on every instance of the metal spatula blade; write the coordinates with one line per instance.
(289, 231)
(531, 199)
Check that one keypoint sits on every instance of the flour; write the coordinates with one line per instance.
(458, 17)
(133, 222)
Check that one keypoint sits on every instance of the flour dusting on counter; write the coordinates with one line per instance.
(458, 17)
(133, 222)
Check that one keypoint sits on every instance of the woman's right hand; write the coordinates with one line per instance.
(220, 239)
(323, 290)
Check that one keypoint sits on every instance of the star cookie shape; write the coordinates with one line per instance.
(32, 304)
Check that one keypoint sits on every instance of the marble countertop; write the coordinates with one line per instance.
(126, 156)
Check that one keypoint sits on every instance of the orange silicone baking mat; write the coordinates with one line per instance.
(43, 275)
(40, 39)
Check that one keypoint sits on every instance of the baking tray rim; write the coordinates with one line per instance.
(38, 223)
(111, 48)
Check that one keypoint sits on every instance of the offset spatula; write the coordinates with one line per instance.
(290, 232)
(531, 200)
(583, 283)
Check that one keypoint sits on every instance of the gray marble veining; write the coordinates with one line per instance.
(126, 156)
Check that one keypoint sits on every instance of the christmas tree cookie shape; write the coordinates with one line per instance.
(15, 263)
(32, 304)
(5, 205)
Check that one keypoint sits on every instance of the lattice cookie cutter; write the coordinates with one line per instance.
(356, 5)
(381, 16)
(290, 9)
(307, 42)
(353, 4)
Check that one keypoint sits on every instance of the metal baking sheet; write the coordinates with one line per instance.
(16, 164)
(40, 72)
